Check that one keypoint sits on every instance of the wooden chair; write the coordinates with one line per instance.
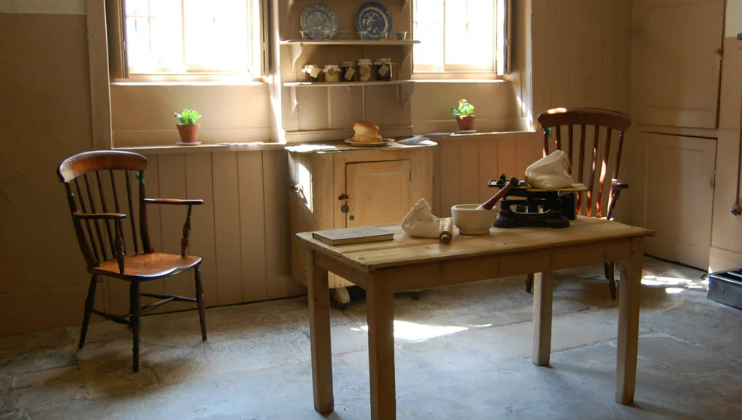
(101, 234)
(597, 121)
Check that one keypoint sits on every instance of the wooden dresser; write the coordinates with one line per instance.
(335, 186)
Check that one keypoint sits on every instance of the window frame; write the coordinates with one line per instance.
(501, 62)
(258, 50)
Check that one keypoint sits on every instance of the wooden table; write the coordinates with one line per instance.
(383, 268)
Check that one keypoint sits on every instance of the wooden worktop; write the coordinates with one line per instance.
(405, 250)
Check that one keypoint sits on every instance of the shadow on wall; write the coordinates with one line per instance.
(496, 107)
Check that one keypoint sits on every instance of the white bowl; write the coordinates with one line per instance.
(473, 221)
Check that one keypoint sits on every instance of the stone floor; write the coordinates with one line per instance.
(461, 353)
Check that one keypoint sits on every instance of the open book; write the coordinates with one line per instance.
(356, 235)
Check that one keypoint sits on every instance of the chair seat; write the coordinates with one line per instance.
(147, 266)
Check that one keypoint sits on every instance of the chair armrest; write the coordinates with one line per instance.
(619, 184)
(187, 225)
(103, 216)
(173, 201)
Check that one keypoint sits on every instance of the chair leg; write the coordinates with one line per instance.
(529, 283)
(200, 301)
(135, 322)
(610, 275)
(89, 302)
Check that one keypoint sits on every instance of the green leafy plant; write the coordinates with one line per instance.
(464, 109)
(188, 117)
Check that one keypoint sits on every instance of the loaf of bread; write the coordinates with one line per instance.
(366, 132)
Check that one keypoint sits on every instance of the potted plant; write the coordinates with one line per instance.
(187, 127)
(464, 113)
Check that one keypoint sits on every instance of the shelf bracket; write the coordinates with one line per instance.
(294, 101)
(296, 50)
(404, 94)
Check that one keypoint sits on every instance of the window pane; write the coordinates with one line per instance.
(137, 7)
(428, 29)
(458, 45)
(481, 34)
(216, 34)
(456, 35)
(166, 43)
(137, 42)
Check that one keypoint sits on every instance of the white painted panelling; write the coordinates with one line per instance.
(44, 7)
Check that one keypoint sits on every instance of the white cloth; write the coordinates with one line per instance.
(550, 172)
(420, 222)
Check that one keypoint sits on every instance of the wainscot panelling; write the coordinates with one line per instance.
(464, 164)
(240, 232)
(252, 226)
(227, 228)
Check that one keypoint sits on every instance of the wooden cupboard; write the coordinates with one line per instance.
(334, 186)
(678, 195)
(677, 54)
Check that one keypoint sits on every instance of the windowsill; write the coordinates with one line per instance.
(459, 80)
(191, 83)
(204, 148)
(455, 135)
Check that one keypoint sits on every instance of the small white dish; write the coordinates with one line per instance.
(180, 143)
(473, 221)
(384, 143)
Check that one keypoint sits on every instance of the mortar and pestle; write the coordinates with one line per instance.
(477, 219)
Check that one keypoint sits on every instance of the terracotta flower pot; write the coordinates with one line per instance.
(465, 123)
(188, 132)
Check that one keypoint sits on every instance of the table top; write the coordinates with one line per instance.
(405, 250)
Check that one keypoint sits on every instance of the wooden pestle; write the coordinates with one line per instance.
(446, 230)
(490, 204)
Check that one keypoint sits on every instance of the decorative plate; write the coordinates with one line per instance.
(374, 18)
(319, 19)
(384, 143)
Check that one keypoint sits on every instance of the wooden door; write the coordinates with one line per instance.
(679, 196)
(378, 192)
(677, 61)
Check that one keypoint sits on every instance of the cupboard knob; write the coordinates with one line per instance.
(344, 208)
(352, 218)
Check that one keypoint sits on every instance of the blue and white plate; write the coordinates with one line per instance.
(320, 21)
(374, 18)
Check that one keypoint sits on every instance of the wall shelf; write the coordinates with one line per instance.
(297, 46)
(350, 42)
(401, 3)
(346, 84)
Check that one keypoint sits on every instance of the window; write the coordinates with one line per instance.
(460, 37)
(192, 37)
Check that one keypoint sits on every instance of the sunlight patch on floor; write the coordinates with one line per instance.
(413, 331)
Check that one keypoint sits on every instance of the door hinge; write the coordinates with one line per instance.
(410, 175)
(712, 181)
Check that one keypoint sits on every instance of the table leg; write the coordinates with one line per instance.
(543, 294)
(628, 322)
(380, 309)
(319, 333)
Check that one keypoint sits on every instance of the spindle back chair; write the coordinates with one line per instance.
(90, 181)
(599, 121)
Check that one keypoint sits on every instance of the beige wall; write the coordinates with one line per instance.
(142, 115)
(45, 113)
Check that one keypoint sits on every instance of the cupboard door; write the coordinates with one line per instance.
(677, 61)
(378, 192)
(679, 196)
